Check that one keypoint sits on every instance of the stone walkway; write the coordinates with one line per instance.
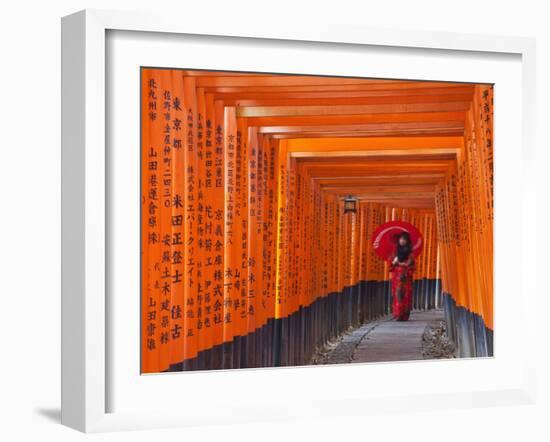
(383, 340)
(396, 340)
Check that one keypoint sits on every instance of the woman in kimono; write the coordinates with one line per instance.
(402, 268)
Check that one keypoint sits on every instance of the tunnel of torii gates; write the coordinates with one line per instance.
(248, 259)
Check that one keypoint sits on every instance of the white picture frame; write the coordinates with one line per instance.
(86, 315)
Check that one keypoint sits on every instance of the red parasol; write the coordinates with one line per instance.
(384, 238)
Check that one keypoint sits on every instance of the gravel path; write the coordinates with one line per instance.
(421, 337)
(341, 350)
(435, 343)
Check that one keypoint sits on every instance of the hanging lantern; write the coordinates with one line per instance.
(350, 204)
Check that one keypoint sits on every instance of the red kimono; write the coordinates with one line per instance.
(401, 285)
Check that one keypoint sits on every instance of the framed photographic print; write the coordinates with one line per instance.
(250, 215)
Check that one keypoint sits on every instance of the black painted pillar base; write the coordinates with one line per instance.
(467, 330)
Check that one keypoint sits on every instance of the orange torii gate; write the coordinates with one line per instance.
(247, 257)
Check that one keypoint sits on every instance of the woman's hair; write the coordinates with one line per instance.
(403, 251)
(404, 235)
